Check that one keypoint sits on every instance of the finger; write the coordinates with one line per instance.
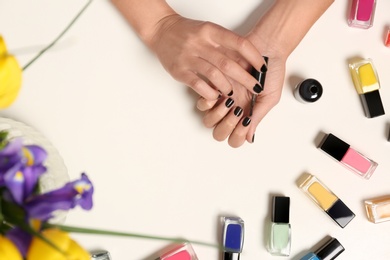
(238, 136)
(241, 45)
(213, 116)
(262, 107)
(224, 128)
(214, 75)
(231, 68)
(205, 104)
(200, 86)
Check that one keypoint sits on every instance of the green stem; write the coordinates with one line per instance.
(59, 36)
(123, 234)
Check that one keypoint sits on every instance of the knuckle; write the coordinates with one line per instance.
(212, 73)
(196, 84)
(224, 64)
(242, 43)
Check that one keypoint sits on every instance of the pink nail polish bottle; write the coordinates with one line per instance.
(181, 252)
(387, 39)
(348, 157)
(362, 13)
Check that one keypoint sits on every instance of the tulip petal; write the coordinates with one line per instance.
(3, 47)
(40, 250)
(10, 80)
(8, 250)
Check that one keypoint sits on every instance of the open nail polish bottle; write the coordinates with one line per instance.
(326, 200)
(378, 209)
(183, 251)
(366, 81)
(348, 157)
(308, 91)
(232, 237)
(362, 13)
(280, 237)
(329, 251)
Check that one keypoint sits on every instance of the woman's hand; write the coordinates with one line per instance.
(229, 122)
(204, 56)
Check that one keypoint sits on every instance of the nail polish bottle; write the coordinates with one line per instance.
(362, 13)
(329, 251)
(308, 91)
(348, 157)
(378, 209)
(326, 200)
(100, 255)
(366, 81)
(387, 37)
(232, 237)
(280, 237)
(183, 251)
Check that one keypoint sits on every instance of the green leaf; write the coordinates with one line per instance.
(12, 213)
(73, 229)
(3, 139)
(35, 233)
(59, 36)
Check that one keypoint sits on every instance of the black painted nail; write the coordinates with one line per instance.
(238, 111)
(253, 138)
(264, 68)
(230, 93)
(246, 121)
(257, 88)
(229, 102)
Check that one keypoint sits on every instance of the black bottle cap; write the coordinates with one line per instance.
(330, 250)
(231, 256)
(388, 138)
(372, 104)
(334, 146)
(340, 213)
(310, 90)
(281, 209)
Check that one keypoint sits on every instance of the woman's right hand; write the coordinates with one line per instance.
(205, 56)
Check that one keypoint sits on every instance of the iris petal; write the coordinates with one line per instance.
(74, 193)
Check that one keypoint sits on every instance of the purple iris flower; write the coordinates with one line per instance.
(9, 156)
(74, 193)
(22, 177)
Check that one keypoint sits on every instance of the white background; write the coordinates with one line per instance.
(106, 103)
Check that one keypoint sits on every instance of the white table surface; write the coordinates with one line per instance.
(106, 103)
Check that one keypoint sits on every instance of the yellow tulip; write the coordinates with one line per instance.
(8, 250)
(10, 76)
(3, 47)
(40, 250)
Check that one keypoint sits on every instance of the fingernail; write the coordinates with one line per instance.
(229, 102)
(264, 68)
(230, 93)
(238, 111)
(246, 121)
(257, 88)
(253, 138)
